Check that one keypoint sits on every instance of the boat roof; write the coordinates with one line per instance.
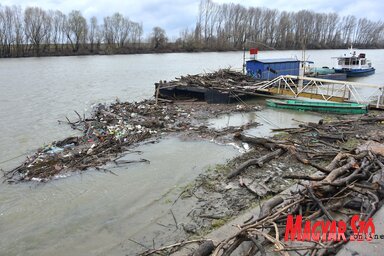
(278, 60)
(352, 56)
(348, 57)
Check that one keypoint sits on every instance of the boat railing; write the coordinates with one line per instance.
(325, 89)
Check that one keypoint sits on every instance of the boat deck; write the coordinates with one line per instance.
(317, 106)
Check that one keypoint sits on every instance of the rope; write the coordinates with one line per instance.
(13, 158)
(258, 115)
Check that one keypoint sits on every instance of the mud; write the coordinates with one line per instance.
(310, 147)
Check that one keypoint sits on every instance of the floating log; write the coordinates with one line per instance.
(265, 142)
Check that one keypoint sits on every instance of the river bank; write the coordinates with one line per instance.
(63, 51)
(104, 50)
(339, 165)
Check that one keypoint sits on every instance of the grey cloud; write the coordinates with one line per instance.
(175, 15)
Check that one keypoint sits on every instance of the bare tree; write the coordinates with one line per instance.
(36, 27)
(136, 33)
(121, 28)
(76, 30)
(58, 35)
(18, 27)
(8, 30)
(159, 38)
(93, 33)
(119, 31)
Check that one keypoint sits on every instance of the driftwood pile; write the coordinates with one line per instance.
(110, 131)
(221, 79)
(348, 186)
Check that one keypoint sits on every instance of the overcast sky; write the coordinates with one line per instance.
(175, 15)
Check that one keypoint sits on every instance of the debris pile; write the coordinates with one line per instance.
(223, 78)
(348, 187)
(112, 129)
(223, 86)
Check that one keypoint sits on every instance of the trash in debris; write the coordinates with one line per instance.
(113, 129)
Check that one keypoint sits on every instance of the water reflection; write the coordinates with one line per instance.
(269, 118)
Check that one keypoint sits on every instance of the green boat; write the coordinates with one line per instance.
(320, 106)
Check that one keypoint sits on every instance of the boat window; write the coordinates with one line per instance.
(341, 62)
(346, 61)
(362, 55)
(362, 62)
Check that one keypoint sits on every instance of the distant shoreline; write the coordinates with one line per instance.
(128, 51)
(36, 32)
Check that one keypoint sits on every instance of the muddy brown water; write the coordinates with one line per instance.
(96, 213)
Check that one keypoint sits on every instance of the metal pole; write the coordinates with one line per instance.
(158, 92)
(244, 60)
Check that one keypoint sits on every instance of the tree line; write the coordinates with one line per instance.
(38, 32)
(226, 26)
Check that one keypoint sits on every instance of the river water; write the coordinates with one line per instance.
(97, 213)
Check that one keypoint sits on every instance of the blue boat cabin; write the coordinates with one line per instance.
(268, 69)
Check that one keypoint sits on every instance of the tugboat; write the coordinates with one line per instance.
(354, 65)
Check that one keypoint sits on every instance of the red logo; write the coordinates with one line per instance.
(326, 230)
